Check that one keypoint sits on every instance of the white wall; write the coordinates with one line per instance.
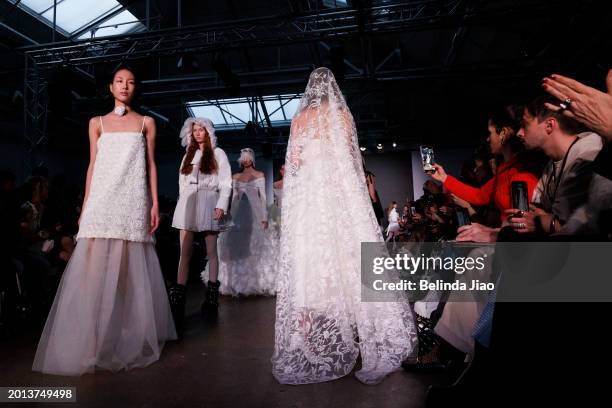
(451, 159)
(393, 175)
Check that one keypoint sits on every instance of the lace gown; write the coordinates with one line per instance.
(271, 247)
(321, 323)
(111, 309)
(241, 249)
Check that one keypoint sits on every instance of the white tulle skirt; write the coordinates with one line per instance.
(248, 255)
(110, 312)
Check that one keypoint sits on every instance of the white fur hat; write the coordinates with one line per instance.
(187, 129)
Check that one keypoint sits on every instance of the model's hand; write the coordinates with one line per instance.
(588, 105)
(154, 219)
(218, 214)
(439, 175)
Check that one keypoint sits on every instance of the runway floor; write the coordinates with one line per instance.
(222, 364)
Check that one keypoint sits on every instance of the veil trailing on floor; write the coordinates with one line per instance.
(321, 323)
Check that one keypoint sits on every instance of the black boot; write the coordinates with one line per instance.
(177, 306)
(211, 301)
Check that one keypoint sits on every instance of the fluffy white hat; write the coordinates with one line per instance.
(187, 129)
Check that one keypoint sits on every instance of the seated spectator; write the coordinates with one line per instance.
(564, 186)
(569, 189)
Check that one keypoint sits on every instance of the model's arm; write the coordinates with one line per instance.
(225, 180)
(94, 135)
(182, 180)
(152, 169)
(261, 188)
(371, 188)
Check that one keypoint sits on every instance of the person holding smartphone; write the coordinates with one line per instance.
(503, 127)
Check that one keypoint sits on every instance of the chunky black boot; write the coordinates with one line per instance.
(177, 306)
(211, 300)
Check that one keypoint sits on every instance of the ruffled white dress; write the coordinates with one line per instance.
(111, 310)
(242, 270)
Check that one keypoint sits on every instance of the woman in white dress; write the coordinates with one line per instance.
(111, 309)
(269, 257)
(322, 325)
(274, 212)
(241, 249)
(393, 218)
(205, 180)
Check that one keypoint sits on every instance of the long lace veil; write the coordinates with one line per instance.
(327, 213)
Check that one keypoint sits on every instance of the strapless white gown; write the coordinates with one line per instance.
(244, 269)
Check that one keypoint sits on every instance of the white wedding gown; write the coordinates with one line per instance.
(243, 266)
(321, 323)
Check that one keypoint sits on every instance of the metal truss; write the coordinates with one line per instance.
(35, 98)
(316, 28)
(261, 109)
(267, 31)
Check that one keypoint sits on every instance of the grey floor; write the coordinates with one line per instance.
(222, 364)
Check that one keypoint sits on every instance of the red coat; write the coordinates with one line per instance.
(497, 190)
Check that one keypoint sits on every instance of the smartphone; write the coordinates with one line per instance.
(427, 158)
(520, 198)
(412, 211)
(463, 217)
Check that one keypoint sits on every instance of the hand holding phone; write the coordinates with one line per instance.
(520, 198)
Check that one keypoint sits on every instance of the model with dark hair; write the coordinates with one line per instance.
(111, 310)
(205, 183)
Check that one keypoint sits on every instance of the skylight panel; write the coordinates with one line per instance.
(37, 6)
(211, 112)
(119, 24)
(273, 107)
(291, 106)
(74, 14)
(235, 113)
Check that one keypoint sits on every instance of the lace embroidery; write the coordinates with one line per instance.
(321, 323)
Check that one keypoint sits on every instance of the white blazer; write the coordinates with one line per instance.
(220, 181)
